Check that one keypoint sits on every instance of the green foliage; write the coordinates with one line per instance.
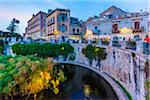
(126, 92)
(66, 49)
(1, 46)
(133, 55)
(97, 53)
(100, 53)
(43, 50)
(89, 52)
(13, 26)
(8, 34)
(1, 49)
(25, 75)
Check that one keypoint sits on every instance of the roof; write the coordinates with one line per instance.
(58, 9)
(112, 8)
(37, 14)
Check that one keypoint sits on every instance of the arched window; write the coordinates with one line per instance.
(73, 30)
(77, 30)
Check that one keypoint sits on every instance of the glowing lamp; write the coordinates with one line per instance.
(125, 30)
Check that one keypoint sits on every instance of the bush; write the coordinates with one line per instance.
(97, 53)
(1, 49)
(28, 75)
(43, 50)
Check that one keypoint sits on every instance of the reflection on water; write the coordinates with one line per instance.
(82, 84)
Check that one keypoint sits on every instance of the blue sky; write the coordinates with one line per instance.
(82, 9)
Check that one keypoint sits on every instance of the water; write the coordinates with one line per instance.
(77, 79)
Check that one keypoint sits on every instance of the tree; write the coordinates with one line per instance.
(100, 55)
(13, 25)
(89, 52)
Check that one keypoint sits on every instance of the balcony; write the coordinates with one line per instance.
(50, 23)
(138, 30)
(115, 31)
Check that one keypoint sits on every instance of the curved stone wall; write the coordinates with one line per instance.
(120, 64)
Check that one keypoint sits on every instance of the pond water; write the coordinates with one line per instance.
(82, 83)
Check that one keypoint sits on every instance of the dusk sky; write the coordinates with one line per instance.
(82, 9)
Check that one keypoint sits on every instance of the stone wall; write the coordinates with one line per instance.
(121, 65)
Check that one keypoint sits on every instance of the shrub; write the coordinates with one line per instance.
(27, 75)
(97, 53)
(43, 50)
(1, 49)
(89, 52)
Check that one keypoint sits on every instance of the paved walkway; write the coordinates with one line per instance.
(119, 92)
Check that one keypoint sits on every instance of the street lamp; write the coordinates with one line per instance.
(88, 34)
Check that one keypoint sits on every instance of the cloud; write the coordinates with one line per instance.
(9, 14)
(56, 4)
(130, 1)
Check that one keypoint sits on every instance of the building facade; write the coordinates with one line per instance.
(54, 24)
(36, 26)
(59, 23)
(116, 21)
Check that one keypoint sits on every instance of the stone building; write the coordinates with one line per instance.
(36, 26)
(53, 25)
(116, 21)
(59, 23)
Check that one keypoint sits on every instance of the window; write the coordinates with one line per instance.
(136, 25)
(77, 30)
(96, 28)
(63, 28)
(110, 16)
(62, 17)
(73, 30)
(115, 27)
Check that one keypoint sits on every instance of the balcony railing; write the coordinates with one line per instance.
(138, 30)
(115, 31)
(50, 23)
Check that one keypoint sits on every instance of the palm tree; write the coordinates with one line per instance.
(100, 55)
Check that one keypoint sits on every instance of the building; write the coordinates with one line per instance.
(77, 28)
(36, 26)
(53, 25)
(59, 24)
(115, 21)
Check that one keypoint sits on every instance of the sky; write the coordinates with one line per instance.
(82, 9)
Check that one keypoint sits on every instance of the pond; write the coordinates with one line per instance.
(82, 83)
